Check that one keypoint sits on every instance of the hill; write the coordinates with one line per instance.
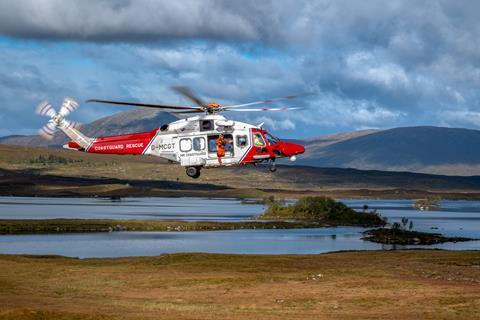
(137, 120)
(436, 150)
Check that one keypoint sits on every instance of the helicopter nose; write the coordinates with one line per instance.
(298, 148)
(292, 149)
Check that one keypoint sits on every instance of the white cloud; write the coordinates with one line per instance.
(370, 66)
(454, 118)
(274, 124)
(334, 111)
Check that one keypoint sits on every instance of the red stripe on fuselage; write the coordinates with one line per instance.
(134, 143)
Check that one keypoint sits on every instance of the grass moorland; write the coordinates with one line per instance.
(419, 284)
(30, 171)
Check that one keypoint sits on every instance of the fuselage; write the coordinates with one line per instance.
(192, 142)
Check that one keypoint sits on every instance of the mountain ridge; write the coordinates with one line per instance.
(424, 149)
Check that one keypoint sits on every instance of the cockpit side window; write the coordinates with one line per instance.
(271, 139)
(258, 140)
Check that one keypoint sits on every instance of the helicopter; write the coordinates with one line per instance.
(192, 142)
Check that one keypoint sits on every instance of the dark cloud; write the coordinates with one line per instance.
(121, 20)
(340, 23)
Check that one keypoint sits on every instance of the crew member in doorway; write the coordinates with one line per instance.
(221, 142)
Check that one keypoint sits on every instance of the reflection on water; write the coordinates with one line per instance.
(116, 244)
(456, 218)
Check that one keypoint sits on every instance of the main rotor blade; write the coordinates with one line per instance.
(187, 93)
(147, 105)
(265, 109)
(191, 111)
(267, 101)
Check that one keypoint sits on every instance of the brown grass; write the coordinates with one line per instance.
(350, 285)
(31, 226)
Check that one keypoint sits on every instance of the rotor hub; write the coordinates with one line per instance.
(213, 107)
(57, 118)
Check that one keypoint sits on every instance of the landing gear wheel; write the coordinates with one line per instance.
(193, 172)
(273, 166)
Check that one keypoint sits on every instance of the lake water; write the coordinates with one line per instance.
(128, 208)
(456, 218)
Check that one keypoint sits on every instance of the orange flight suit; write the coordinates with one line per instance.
(220, 148)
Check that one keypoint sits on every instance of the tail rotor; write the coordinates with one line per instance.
(56, 118)
(48, 130)
(45, 109)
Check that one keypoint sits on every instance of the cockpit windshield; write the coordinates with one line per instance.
(271, 139)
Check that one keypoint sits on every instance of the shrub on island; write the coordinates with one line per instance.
(322, 210)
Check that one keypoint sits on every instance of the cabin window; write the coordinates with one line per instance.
(212, 143)
(199, 144)
(242, 141)
(258, 140)
(185, 145)
(206, 125)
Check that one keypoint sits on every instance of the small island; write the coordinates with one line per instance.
(407, 237)
(321, 210)
(402, 233)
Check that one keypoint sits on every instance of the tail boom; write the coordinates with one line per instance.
(135, 143)
(79, 138)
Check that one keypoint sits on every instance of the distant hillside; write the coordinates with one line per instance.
(436, 150)
(136, 120)
(417, 149)
(317, 144)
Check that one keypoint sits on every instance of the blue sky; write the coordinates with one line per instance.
(370, 64)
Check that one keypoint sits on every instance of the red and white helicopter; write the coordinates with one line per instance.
(191, 141)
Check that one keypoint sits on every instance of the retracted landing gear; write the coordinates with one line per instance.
(273, 166)
(193, 172)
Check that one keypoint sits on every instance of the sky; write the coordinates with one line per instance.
(367, 64)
